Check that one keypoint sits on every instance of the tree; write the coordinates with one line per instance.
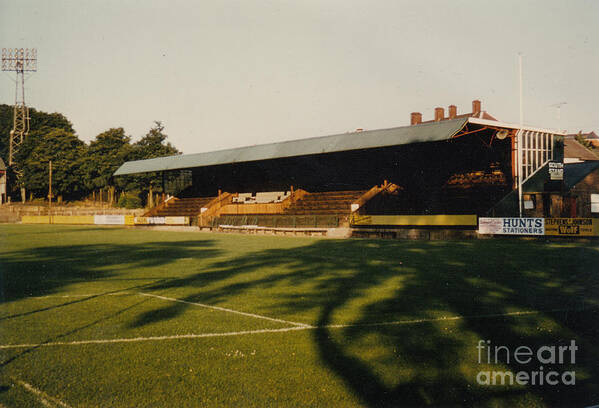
(39, 121)
(42, 120)
(78, 169)
(153, 144)
(106, 153)
(67, 153)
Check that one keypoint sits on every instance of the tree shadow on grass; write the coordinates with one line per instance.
(63, 229)
(45, 270)
(432, 362)
(70, 332)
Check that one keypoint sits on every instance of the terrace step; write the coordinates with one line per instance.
(184, 207)
(327, 202)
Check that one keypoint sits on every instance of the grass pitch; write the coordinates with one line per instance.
(111, 317)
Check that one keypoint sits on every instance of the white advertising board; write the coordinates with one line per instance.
(511, 226)
(156, 220)
(109, 219)
(161, 220)
(176, 220)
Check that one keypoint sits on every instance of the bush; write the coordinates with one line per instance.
(129, 200)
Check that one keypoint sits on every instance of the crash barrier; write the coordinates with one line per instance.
(103, 220)
(274, 221)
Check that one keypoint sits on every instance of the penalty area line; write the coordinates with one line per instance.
(451, 318)
(45, 399)
(281, 330)
(223, 309)
(156, 338)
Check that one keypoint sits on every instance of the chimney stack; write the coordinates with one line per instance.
(415, 118)
(452, 111)
(439, 114)
(476, 108)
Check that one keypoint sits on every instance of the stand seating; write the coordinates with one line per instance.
(329, 202)
(261, 197)
(184, 207)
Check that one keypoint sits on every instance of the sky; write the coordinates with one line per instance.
(223, 73)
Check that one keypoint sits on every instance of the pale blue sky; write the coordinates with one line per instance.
(223, 73)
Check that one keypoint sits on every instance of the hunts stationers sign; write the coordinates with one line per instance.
(511, 226)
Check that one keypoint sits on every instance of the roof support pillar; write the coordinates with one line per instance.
(519, 154)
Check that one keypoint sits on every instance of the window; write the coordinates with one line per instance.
(529, 202)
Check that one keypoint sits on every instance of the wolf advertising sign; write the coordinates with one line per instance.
(511, 226)
(569, 226)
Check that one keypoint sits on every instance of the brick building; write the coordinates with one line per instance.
(582, 184)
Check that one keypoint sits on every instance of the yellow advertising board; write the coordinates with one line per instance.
(415, 220)
(72, 219)
(35, 219)
(176, 220)
(570, 226)
(140, 220)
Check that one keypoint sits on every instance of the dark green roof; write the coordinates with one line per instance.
(371, 139)
(575, 172)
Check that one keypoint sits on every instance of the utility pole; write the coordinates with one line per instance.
(20, 61)
(519, 135)
(50, 185)
(558, 107)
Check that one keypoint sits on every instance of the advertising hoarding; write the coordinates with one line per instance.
(511, 226)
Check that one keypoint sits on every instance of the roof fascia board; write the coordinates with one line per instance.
(496, 123)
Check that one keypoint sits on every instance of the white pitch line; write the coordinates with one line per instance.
(222, 309)
(155, 338)
(442, 319)
(44, 398)
(282, 330)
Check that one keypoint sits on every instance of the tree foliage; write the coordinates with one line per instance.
(129, 199)
(153, 144)
(39, 121)
(106, 153)
(79, 168)
(67, 154)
